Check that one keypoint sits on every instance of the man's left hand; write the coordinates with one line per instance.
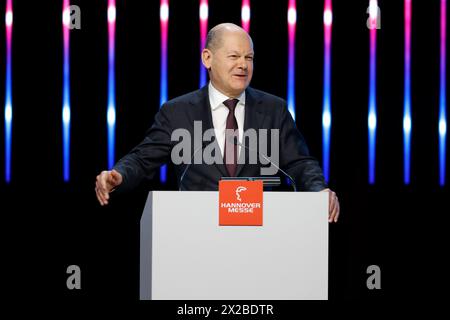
(333, 206)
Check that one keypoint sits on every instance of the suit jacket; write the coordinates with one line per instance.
(262, 111)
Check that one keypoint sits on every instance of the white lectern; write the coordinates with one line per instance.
(186, 255)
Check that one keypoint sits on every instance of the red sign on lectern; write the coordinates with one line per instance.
(240, 203)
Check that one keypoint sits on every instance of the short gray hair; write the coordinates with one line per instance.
(214, 37)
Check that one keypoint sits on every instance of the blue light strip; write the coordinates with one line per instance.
(442, 96)
(372, 114)
(8, 91)
(203, 13)
(164, 21)
(326, 108)
(407, 123)
(66, 112)
(111, 110)
(292, 22)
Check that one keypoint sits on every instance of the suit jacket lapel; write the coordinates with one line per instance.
(205, 115)
(254, 119)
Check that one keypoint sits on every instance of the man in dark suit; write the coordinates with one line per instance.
(226, 104)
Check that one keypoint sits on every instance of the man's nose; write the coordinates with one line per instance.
(243, 64)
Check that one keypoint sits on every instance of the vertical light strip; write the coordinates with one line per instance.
(245, 15)
(164, 23)
(66, 91)
(203, 32)
(407, 96)
(111, 111)
(326, 108)
(292, 23)
(372, 114)
(442, 96)
(8, 91)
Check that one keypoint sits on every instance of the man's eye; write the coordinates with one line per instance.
(233, 56)
(249, 58)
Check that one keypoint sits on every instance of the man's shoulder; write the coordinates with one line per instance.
(187, 98)
(263, 95)
(266, 102)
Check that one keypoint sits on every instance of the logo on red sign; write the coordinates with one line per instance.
(240, 203)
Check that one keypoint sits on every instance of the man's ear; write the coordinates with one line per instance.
(207, 58)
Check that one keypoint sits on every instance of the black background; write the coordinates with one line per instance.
(48, 225)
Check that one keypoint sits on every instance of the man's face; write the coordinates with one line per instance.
(231, 64)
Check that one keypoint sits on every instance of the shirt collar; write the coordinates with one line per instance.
(216, 98)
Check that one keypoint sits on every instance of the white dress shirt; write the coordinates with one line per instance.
(220, 113)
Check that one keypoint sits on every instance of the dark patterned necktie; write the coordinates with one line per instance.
(230, 149)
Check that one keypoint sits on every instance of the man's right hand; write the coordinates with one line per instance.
(105, 183)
